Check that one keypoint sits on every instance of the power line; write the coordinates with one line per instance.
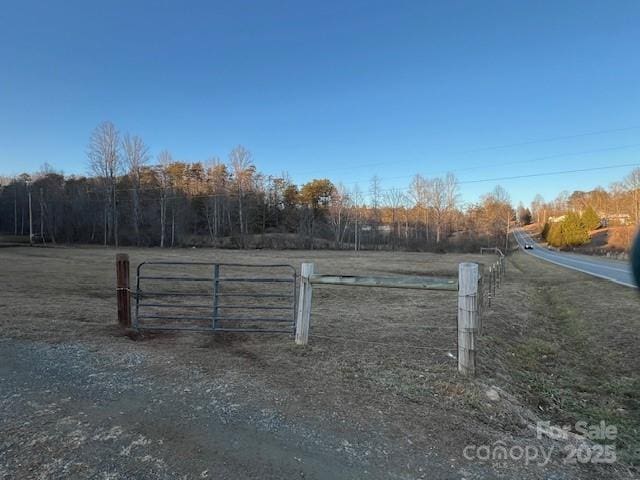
(516, 162)
(531, 175)
(553, 139)
(482, 149)
(557, 172)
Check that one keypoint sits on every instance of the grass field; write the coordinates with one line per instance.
(376, 380)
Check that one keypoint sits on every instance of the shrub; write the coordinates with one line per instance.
(574, 233)
(554, 235)
(570, 232)
(590, 219)
(545, 230)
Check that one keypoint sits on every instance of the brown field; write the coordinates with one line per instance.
(376, 390)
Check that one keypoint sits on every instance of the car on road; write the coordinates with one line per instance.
(528, 246)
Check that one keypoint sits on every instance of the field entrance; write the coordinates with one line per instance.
(212, 296)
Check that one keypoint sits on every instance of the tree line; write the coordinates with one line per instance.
(131, 198)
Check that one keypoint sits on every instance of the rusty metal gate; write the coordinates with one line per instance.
(212, 296)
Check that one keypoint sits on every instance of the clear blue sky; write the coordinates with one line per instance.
(338, 89)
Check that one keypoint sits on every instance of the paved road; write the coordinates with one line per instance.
(613, 270)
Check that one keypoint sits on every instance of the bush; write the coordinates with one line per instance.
(545, 230)
(574, 233)
(554, 235)
(590, 219)
(570, 232)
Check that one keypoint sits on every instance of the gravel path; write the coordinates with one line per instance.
(72, 413)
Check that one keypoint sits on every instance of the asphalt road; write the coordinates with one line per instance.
(612, 270)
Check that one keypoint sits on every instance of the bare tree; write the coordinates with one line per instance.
(339, 213)
(394, 199)
(452, 196)
(375, 193)
(105, 162)
(537, 209)
(164, 179)
(243, 170)
(419, 191)
(497, 214)
(136, 155)
(443, 196)
(357, 200)
(632, 184)
(217, 179)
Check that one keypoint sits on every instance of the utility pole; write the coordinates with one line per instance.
(30, 215)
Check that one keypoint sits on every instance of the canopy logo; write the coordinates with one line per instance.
(580, 446)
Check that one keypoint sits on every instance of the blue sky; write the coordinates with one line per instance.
(343, 90)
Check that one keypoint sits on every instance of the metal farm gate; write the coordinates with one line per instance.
(212, 296)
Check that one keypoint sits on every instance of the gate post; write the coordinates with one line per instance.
(123, 294)
(467, 317)
(304, 304)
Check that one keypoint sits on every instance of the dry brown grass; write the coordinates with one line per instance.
(551, 337)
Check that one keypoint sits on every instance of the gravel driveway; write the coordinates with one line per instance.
(72, 413)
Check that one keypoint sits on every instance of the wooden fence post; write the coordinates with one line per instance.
(467, 317)
(494, 280)
(481, 299)
(123, 294)
(304, 304)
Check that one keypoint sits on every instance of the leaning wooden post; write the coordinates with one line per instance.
(304, 304)
(123, 294)
(467, 317)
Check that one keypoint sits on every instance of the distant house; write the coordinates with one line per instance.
(556, 219)
(616, 219)
(383, 229)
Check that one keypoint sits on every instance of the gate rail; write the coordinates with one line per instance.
(217, 319)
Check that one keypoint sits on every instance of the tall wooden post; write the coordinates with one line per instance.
(304, 304)
(467, 317)
(123, 293)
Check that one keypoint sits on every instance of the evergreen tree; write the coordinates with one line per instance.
(574, 233)
(554, 234)
(590, 219)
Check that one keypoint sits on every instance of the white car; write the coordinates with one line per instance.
(528, 246)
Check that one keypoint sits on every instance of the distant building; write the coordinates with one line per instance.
(616, 219)
(383, 229)
(556, 219)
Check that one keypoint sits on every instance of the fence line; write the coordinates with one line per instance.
(468, 285)
(473, 285)
(495, 276)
